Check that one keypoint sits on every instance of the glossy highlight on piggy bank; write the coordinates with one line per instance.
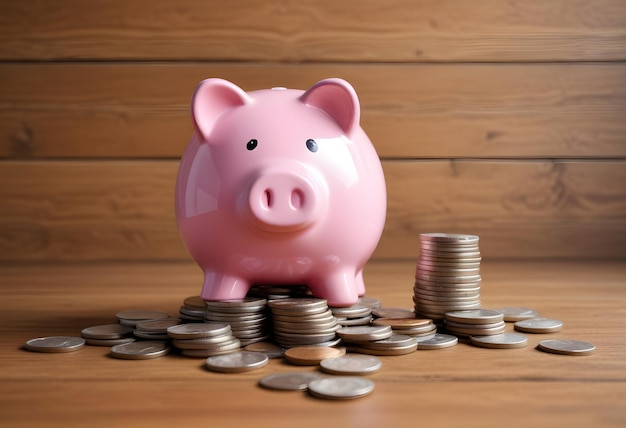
(280, 187)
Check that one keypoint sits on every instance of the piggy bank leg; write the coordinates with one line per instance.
(338, 288)
(220, 286)
(360, 284)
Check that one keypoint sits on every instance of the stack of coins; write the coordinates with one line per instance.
(303, 321)
(376, 340)
(154, 329)
(108, 334)
(358, 314)
(447, 277)
(476, 322)
(204, 339)
(192, 309)
(248, 318)
(416, 327)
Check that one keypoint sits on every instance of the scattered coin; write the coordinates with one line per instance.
(500, 341)
(538, 325)
(341, 387)
(289, 381)
(312, 355)
(142, 350)
(566, 347)
(55, 344)
(351, 364)
(237, 362)
(439, 341)
(514, 314)
(133, 316)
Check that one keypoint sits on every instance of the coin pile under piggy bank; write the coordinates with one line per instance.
(343, 342)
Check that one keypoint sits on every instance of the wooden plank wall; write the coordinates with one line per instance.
(504, 118)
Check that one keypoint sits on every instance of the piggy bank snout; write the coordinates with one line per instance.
(284, 201)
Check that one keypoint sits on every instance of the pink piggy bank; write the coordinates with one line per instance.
(280, 186)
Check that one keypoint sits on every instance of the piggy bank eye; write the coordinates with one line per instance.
(311, 145)
(252, 144)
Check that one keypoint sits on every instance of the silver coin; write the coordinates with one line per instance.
(270, 349)
(297, 318)
(204, 353)
(198, 330)
(460, 331)
(222, 317)
(538, 325)
(133, 316)
(298, 304)
(394, 341)
(232, 344)
(477, 316)
(109, 342)
(365, 333)
(341, 387)
(252, 340)
(292, 381)
(417, 331)
(370, 302)
(460, 254)
(350, 364)
(106, 331)
(453, 324)
(157, 326)
(355, 321)
(143, 350)
(237, 362)
(55, 344)
(500, 341)
(148, 336)
(442, 298)
(439, 341)
(196, 313)
(566, 347)
(460, 238)
(469, 281)
(354, 311)
(514, 314)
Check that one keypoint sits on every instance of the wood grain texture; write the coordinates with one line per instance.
(460, 386)
(314, 30)
(123, 210)
(439, 111)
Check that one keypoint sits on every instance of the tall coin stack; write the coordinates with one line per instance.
(447, 277)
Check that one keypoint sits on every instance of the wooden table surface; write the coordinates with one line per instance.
(462, 386)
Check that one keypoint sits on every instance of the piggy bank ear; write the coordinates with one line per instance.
(211, 99)
(337, 98)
